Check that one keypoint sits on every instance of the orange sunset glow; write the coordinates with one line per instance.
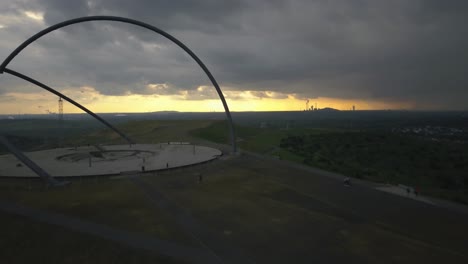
(42, 102)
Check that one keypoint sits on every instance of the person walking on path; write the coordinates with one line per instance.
(347, 182)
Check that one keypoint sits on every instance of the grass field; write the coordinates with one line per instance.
(437, 168)
(253, 204)
(26, 241)
(275, 212)
(116, 203)
(148, 131)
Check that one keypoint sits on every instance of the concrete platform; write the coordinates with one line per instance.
(109, 160)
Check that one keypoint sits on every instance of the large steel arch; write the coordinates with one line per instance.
(137, 23)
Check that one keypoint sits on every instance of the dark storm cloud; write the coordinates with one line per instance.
(371, 49)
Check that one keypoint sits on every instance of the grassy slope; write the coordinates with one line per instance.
(116, 203)
(249, 138)
(148, 131)
(241, 199)
(437, 168)
(25, 241)
(252, 204)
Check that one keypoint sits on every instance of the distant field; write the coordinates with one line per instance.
(36, 134)
(143, 131)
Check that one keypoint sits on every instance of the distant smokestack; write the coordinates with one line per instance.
(60, 109)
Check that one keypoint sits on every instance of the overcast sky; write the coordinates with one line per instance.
(369, 50)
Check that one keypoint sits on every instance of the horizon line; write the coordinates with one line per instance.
(253, 111)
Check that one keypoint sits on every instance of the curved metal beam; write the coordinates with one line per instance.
(46, 177)
(23, 158)
(137, 23)
(66, 98)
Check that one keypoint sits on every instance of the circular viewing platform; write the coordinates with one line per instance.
(109, 160)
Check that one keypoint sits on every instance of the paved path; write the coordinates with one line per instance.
(221, 250)
(431, 225)
(140, 241)
(429, 200)
(460, 208)
(402, 192)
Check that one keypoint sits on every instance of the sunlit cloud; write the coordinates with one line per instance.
(35, 15)
(8, 19)
(367, 54)
(159, 88)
